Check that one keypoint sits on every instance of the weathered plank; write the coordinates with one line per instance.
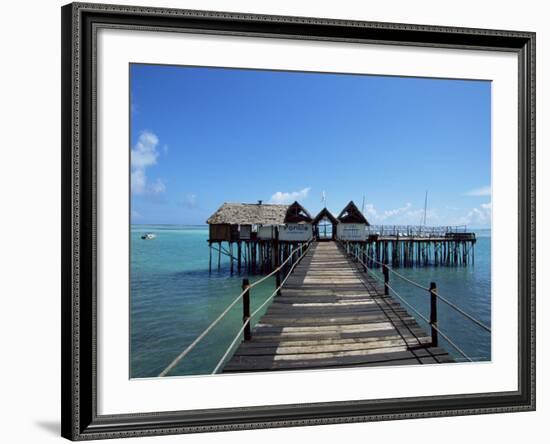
(330, 314)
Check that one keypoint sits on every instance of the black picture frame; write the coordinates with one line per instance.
(79, 209)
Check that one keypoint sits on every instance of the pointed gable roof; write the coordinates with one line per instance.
(296, 214)
(351, 215)
(325, 213)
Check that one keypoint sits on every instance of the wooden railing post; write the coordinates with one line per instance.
(277, 264)
(246, 309)
(433, 312)
(276, 250)
(386, 272)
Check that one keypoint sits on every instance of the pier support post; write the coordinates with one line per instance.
(231, 256)
(209, 257)
(386, 279)
(239, 252)
(246, 309)
(433, 313)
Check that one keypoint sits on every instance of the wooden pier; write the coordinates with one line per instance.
(329, 314)
(257, 237)
(328, 309)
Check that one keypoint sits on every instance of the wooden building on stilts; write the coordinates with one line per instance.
(404, 246)
(352, 224)
(257, 237)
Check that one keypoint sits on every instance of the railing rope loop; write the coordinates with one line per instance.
(434, 296)
(245, 296)
(421, 316)
(416, 284)
(249, 319)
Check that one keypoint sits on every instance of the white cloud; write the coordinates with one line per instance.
(373, 215)
(416, 217)
(281, 197)
(405, 215)
(145, 154)
(483, 191)
(391, 213)
(145, 151)
(370, 211)
(158, 187)
(136, 214)
(138, 181)
(479, 216)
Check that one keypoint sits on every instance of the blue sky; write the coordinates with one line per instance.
(204, 136)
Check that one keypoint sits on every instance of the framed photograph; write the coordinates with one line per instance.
(279, 221)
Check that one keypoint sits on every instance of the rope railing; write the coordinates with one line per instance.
(456, 347)
(226, 354)
(246, 320)
(416, 284)
(434, 296)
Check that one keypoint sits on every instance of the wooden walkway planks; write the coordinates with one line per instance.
(330, 314)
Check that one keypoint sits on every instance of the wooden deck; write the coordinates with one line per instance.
(329, 314)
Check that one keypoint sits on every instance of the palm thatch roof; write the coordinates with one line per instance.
(352, 215)
(249, 214)
(297, 214)
(325, 213)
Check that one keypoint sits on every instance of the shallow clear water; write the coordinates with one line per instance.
(174, 298)
(468, 287)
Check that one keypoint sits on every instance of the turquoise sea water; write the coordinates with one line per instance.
(468, 287)
(173, 298)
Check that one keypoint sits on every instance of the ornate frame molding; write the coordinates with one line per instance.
(80, 22)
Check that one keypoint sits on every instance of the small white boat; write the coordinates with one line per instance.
(148, 236)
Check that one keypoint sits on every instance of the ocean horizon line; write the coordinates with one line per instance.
(388, 225)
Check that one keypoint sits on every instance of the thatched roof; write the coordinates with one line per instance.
(249, 214)
(325, 213)
(297, 214)
(352, 215)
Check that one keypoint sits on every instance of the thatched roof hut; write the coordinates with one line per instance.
(249, 214)
(233, 221)
(352, 224)
(325, 213)
(352, 215)
(296, 214)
